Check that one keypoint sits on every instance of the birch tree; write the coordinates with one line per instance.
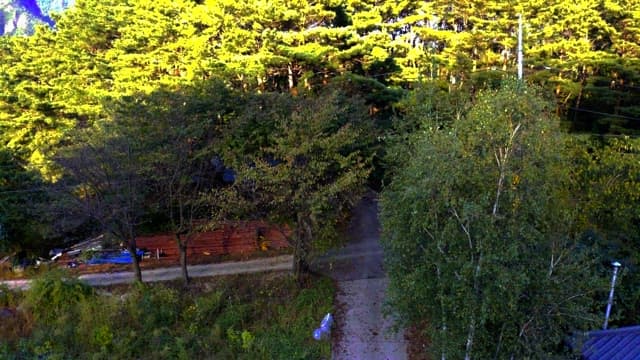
(478, 232)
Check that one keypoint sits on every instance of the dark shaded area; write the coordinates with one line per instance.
(20, 194)
(361, 257)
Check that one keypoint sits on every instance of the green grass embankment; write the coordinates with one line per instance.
(261, 316)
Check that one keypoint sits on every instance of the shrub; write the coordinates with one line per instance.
(95, 323)
(253, 321)
(55, 294)
(14, 325)
(204, 310)
(8, 297)
(152, 306)
(234, 316)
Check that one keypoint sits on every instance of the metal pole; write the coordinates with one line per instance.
(616, 265)
(520, 56)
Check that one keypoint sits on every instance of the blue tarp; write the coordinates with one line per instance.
(118, 257)
(229, 176)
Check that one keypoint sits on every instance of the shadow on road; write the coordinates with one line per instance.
(361, 257)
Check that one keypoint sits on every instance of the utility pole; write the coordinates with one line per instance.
(616, 265)
(520, 56)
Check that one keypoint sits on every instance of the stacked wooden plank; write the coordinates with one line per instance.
(230, 239)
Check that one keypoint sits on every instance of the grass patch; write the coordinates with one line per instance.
(258, 316)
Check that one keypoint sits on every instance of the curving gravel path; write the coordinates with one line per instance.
(361, 331)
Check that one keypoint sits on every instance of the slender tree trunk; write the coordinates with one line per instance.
(301, 250)
(471, 333)
(290, 77)
(300, 263)
(470, 336)
(579, 97)
(443, 324)
(130, 218)
(500, 341)
(134, 258)
(182, 246)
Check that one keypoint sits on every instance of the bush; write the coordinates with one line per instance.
(95, 324)
(203, 311)
(55, 294)
(14, 325)
(254, 321)
(8, 297)
(286, 334)
(152, 306)
(235, 316)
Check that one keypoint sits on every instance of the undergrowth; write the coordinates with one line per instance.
(238, 317)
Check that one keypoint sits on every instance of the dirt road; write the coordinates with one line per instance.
(278, 263)
(361, 330)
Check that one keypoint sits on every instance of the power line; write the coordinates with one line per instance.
(604, 114)
(23, 191)
(26, 165)
(628, 86)
(53, 187)
(615, 135)
(156, 178)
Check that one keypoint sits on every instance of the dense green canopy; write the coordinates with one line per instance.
(479, 233)
(586, 51)
(125, 101)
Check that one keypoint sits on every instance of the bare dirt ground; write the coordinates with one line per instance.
(361, 331)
